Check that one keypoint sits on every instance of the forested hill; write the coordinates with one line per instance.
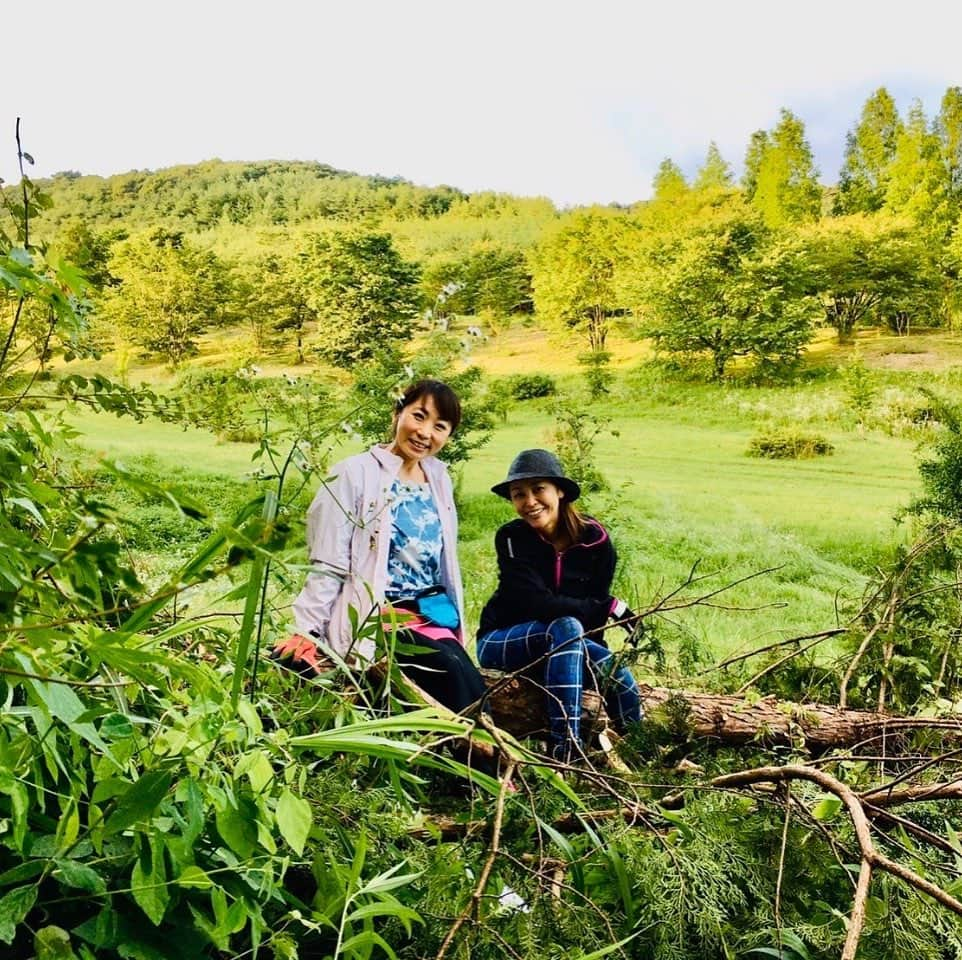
(201, 196)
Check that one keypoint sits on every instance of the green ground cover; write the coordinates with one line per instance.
(681, 489)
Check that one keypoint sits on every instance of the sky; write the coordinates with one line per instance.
(577, 101)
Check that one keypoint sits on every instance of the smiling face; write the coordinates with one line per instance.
(419, 430)
(538, 503)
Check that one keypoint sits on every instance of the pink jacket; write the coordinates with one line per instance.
(348, 538)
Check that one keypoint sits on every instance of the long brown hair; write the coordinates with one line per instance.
(571, 521)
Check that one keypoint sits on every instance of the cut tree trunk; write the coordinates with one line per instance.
(518, 706)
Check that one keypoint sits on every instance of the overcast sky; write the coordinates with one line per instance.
(579, 101)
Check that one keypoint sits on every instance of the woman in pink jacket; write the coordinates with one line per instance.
(382, 534)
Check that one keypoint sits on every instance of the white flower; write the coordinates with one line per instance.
(509, 901)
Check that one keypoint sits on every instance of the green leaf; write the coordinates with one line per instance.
(680, 822)
(360, 945)
(193, 876)
(827, 808)
(294, 820)
(53, 943)
(237, 827)
(574, 861)
(256, 765)
(149, 883)
(64, 705)
(606, 951)
(140, 801)
(13, 908)
(21, 872)
(115, 726)
(876, 909)
(387, 881)
(792, 948)
(384, 908)
(80, 875)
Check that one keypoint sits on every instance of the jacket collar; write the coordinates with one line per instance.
(391, 462)
(596, 534)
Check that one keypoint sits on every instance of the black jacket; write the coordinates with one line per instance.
(536, 583)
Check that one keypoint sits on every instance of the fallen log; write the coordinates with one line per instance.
(517, 705)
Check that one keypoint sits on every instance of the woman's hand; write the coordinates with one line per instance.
(301, 654)
(628, 620)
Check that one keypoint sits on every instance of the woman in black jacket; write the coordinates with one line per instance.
(553, 599)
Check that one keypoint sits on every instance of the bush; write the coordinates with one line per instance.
(242, 434)
(531, 386)
(789, 445)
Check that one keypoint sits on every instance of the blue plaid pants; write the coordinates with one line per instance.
(570, 655)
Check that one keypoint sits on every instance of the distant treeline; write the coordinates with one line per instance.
(337, 266)
(272, 192)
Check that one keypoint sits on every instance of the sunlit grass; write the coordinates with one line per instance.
(681, 488)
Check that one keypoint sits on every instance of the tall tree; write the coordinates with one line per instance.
(669, 183)
(869, 152)
(730, 289)
(757, 146)
(787, 188)
(948, 130)
(917, 185)
(574, 272)
(278, 299)
(167, 293)
(714, 173)
(365, 295)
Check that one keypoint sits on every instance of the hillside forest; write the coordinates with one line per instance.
(756, 382)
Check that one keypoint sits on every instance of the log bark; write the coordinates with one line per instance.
(517, 705)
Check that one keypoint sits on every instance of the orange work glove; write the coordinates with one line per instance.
(300, 653)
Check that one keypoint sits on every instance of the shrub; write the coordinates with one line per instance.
(597, 375)
(531, 386)
(242, 434)
(789, 445)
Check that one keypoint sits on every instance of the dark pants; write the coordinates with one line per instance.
(448, 674)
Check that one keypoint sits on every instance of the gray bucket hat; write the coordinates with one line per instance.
(537, 464)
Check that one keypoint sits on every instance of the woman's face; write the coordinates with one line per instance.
(538, 503)
(419, 430)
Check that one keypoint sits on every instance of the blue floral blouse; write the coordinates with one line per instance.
(414, 559)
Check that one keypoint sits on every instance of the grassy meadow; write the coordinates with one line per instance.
(681, 488)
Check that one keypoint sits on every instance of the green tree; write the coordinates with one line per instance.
(364, 293)
(714, 173)
(278, 299)
(867, 269)
(869, 152)
(669, 183)
(758, 144)
(786, 188)
(948, 132)
(730, 289)
(489, 279)
(88, 250)
(917, 184)
(168, 292)
(574, 275)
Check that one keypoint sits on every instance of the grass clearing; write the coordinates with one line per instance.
(681, 488)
